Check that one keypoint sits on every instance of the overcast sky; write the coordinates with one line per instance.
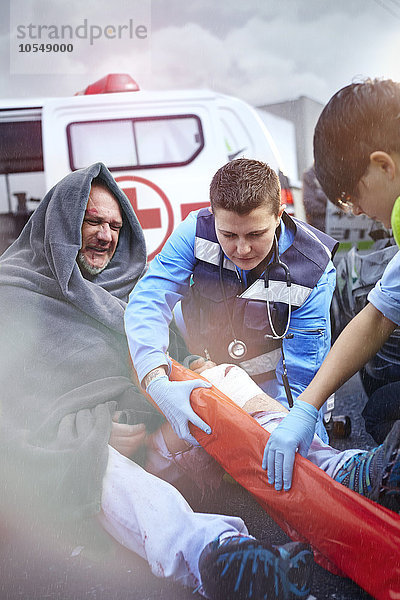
(260, 50)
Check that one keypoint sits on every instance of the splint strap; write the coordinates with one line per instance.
(350, 534)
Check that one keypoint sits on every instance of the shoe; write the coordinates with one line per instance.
(242, 568)
(376, 473)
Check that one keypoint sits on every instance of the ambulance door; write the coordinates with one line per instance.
(246, 134)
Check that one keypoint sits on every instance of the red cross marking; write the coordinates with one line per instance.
(149, 218)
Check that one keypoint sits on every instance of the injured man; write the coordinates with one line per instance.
(374, 473)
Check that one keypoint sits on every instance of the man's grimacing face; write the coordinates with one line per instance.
(100, 230)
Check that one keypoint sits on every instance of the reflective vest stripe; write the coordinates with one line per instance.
(263, 363)
(277, 291)
(209, 252)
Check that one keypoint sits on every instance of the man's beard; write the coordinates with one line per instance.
(86, 268)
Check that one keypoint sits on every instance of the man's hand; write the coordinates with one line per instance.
(173, 398)
(295, 432)
(201, 364)
(127, 439)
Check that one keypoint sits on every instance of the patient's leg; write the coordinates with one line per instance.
(375, 473)
(239, 387)
(169, 457)
(235, 383)
(372, 473)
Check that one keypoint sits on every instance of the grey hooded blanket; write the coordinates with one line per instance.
(64, 361)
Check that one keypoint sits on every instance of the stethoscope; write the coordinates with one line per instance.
(237, 349)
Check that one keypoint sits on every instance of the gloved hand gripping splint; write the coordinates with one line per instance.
(295, 432)
(173, 399)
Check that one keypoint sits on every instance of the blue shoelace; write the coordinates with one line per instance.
(261, 556)
(357, 465)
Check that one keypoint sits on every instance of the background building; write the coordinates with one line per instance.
(304, 113)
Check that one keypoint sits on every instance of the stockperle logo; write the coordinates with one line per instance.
(84, 31)
(48, 37)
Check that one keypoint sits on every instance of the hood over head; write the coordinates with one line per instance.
(43, 258)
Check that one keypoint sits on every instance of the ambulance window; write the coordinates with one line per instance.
(110, 142)
(21, 147)
(236, 138)
(135, 143)
(168, 141)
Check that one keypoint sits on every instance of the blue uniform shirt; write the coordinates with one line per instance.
(150, 306)
(385, 296)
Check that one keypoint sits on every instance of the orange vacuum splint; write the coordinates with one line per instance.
(350, 534)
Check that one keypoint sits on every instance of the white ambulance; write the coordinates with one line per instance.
(161, 147)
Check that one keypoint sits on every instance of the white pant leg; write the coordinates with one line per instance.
(193, 464)
(322, 455)
(150, 517)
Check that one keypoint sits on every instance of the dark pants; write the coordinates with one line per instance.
(382, 410)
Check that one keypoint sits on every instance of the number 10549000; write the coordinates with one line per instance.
(45, 48)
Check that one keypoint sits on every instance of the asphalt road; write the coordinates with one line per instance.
(33, 569)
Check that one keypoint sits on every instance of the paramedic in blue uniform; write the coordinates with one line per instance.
(357, 162)
(250, 284)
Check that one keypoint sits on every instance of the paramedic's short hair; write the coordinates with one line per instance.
(243, 185)
(358, 120)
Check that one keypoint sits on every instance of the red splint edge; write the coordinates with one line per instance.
(350, 534)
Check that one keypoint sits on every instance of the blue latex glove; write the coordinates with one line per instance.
(173, 398)
(295, 431)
